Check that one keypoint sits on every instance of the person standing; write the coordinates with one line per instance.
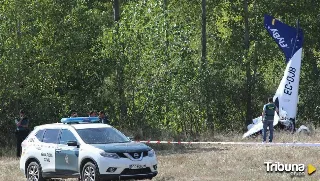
(73, 114)
(268, 118)
(103, 118)
(92, 114)
(22, 130)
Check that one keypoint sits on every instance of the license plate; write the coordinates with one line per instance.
(137, 166)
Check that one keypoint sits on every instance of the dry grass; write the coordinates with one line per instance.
(217, 162)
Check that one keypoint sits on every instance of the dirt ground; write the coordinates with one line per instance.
(205, 162)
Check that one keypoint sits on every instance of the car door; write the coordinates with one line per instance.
(50, 140)
(67, 156)
(38, 145)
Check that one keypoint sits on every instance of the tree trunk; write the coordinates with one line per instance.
(248, 68)
(116, 10)
(120, 66)
(205, 68)
(167, 59)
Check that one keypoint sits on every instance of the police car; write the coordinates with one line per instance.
(81, 148)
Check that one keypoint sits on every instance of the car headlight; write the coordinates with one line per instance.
(110, 155)
(151, 153)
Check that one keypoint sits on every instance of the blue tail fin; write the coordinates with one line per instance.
(289, 39)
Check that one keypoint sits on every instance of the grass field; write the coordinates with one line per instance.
(201, 163)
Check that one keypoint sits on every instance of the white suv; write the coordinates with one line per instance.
(91, 151)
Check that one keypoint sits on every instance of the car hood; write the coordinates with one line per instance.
(122, 147)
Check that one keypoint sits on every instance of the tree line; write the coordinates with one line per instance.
(179, 66)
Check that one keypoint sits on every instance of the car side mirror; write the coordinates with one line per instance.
(72, 143)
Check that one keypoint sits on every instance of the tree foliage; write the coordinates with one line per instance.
(145, 69)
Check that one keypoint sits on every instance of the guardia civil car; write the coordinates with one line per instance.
(79, 148)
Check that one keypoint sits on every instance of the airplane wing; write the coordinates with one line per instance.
(258, 125)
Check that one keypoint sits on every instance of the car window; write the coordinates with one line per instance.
(51, 136)
(102, 136)
(66, 135)
(39, 134)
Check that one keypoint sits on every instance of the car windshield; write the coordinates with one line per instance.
(102, 136)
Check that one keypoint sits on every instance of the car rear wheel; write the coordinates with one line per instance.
(34, 172)
(90, 172)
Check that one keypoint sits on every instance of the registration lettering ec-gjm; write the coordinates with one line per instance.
(290, 79)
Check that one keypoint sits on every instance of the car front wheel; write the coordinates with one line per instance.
(34, 172)
(90, 172)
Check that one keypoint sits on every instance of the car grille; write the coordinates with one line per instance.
(122, 155)
(145, 153)
(132, 153)
(135, 171)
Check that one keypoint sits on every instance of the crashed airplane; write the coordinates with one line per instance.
(289, 40)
